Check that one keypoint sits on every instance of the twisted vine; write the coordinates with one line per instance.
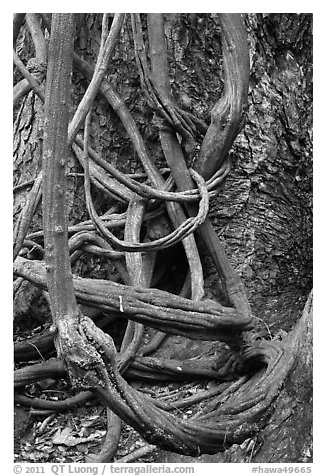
(89, 355)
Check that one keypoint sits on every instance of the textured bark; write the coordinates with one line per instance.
(27, 153)
(264, 219)
(267, 229)
(263, 215)
(205, 320)
(288, 436)
(228, 114)
(54, 184)
(27, 156)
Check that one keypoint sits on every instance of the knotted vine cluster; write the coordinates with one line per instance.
(255, 368)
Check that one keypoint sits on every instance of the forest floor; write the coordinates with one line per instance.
(77, 434)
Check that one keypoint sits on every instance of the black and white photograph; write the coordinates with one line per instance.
(162, 241)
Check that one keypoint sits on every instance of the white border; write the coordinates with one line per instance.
(6, 375)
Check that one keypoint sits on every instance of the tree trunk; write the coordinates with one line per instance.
(264, 219)
(263, 215)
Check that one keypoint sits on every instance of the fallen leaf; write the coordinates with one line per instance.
(66, 438)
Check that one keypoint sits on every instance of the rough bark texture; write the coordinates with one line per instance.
(263, 215)
(54, 168)
(27, 158)
(287, 438)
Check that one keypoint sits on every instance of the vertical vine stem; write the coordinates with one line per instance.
(55, 155)
(228, 113)
(108, 41)
(37, 37)
(113, 431)
(77, 352)
(172, 148)
(226, 119)
(170, 144)
(140, 268)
